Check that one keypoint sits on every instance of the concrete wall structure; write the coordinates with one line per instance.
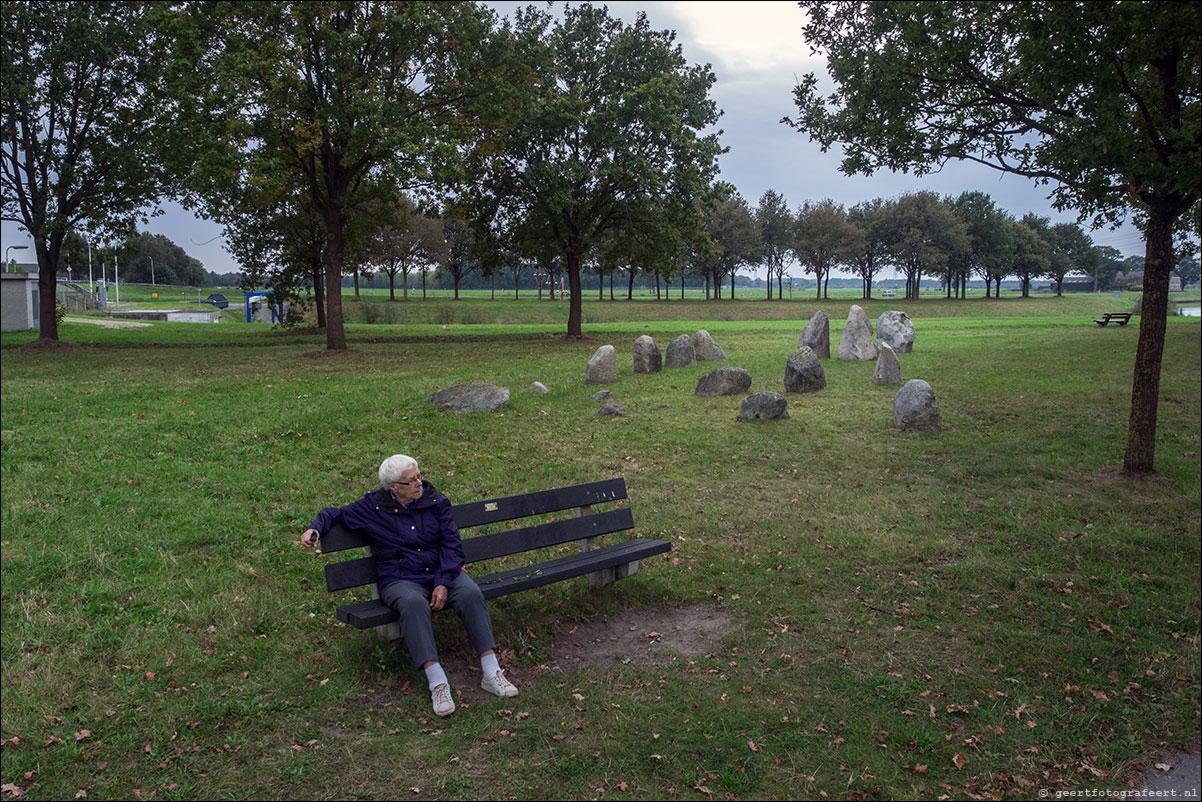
(18, 301)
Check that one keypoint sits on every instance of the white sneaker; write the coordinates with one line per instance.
(443, 704)
(497, 685)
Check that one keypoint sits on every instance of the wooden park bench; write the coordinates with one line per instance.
(602, 564)
(1118, 317)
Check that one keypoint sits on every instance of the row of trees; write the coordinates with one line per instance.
(953, 240)
(918, 234)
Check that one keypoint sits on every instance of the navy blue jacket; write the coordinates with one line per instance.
(419, 543)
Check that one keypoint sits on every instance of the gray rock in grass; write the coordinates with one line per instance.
(706, 349)
(856, 343)
(817, 335)
(803, 372)
(647, 358)
(681, 353)
(896, 330)
(888, 368)
(915, 408)
(603, 366)
(724, 381)
(475, 397)
(764, 406)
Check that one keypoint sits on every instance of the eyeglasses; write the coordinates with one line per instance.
(415, 481)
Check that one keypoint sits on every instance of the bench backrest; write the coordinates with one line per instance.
(587, 524)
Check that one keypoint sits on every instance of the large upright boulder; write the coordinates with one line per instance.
(915, 408)
(897, 330)
(706, 349)
(603, 366)
(856, 343)
(647, 358)
(681, 353)
(817, 335)
(724, 381)
(803, 372)
(475, 397)
(888, 368)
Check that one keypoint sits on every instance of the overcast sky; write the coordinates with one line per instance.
(757, 53)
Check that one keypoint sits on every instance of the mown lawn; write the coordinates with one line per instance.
(985, 612)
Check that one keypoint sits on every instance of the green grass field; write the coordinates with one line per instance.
(984, 612)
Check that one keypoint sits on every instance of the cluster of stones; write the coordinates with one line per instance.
(914, 405)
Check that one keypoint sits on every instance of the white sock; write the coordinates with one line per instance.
(435, 675)
(489, 664)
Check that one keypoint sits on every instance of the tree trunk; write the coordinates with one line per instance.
(335, 333)
(47, 287)
(1145, 385)
(319, 293)
(630, 286)
(575, 301)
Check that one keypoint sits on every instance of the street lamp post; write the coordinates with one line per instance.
(13, 248)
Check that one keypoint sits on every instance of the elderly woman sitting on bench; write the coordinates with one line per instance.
(419, 561)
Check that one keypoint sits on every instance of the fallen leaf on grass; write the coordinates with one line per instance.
(12, 790)
(960, 761)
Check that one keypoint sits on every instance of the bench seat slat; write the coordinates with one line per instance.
(585, 562)
(369, 614)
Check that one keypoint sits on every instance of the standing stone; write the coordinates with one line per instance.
(707, 350)
(896, 329)
(474, 397)
(724, 381)
(538, 388)
(647, 358)
(803, 372)
(764, 406)
(681, 353)
(817, 335)
(888, 369)
(856, 344)
(914, 407)
(603, 367)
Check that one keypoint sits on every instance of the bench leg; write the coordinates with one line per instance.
(606, 576)
(385, 632)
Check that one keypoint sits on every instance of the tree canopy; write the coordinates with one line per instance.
(608, 136)
(335, 104)
(82, 122)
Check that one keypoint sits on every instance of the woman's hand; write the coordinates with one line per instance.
(438, 598)
(309, 538)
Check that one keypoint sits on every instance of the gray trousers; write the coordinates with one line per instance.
(412, 601)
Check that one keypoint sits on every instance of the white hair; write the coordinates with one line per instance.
(392, 468)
